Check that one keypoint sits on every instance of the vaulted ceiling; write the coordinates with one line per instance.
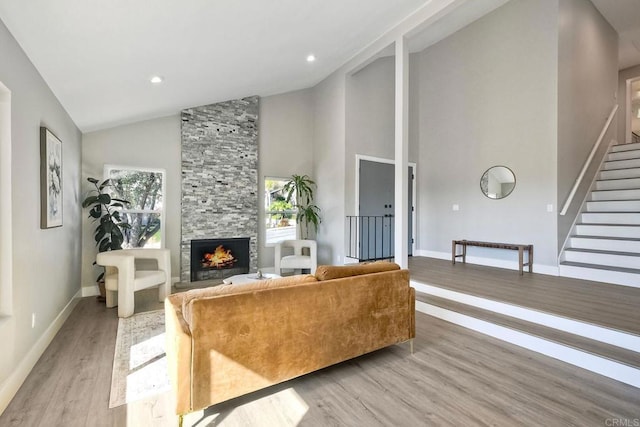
(98, 56)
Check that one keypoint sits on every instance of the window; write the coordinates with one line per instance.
(144, 189)
(280, 215)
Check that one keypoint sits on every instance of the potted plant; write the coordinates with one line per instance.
(301, 187)
(109, 229)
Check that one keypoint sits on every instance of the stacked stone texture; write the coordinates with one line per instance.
(220, 175)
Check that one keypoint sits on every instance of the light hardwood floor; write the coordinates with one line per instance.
(455, 377)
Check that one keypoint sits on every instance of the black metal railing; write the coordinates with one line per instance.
(369, 238)
(635, 137)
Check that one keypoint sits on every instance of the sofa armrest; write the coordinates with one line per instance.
(178, 351)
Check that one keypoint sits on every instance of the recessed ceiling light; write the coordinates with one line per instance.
(311, 58)
(156, 80)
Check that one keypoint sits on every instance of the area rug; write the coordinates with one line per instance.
(140, 362)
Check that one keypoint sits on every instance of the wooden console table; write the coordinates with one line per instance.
(512, 246)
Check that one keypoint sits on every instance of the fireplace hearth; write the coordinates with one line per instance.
(219, 258)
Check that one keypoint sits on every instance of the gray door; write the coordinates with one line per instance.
(376, 228)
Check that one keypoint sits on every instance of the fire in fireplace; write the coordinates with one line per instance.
(219, 258)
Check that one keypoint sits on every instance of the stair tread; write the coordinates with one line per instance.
(634, 153)
(616, 189)
(629, 146)
(599, 251)
(628, 357)
(611, 212)
(601, 267)
(618, 179)
(615, 200)
(598, 224)
(623, 160)
(579, 236)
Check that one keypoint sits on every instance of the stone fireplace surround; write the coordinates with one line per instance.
(219, 176)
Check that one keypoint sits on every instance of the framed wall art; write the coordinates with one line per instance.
(50, 179)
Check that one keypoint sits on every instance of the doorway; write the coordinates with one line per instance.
(375, 198)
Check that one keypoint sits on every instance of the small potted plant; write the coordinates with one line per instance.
(109, 225)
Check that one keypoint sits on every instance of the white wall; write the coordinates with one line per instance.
(587, 86)
(285, 144)
(329, 166)
(46, 263)
(151, 144)
(370, 119)
(488, 96)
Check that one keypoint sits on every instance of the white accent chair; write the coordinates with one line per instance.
(297, 260)
(122, 278)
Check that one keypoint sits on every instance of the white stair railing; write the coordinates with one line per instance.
(587, 163)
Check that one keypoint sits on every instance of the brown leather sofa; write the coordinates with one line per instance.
(227, 341)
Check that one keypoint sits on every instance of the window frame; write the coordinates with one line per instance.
(267, 213)
(110, 167)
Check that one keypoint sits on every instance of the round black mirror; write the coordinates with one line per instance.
(497, 182)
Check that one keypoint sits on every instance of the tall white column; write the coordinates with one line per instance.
(402, 154)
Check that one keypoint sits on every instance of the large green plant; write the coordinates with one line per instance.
(103, 209)
(299, 191)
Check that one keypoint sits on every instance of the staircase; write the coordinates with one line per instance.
(605, 242)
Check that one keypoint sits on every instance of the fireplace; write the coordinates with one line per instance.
(219, 258)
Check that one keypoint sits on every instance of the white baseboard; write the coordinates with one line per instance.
(90, 291)
(433, 254)
(550, 270)
(600, 365)
(11, 385)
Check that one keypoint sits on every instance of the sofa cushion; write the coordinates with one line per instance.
(328, 272)
(216, 291)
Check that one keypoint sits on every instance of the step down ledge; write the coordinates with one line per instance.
(597, 348)
(592, 331)
(603, 366)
